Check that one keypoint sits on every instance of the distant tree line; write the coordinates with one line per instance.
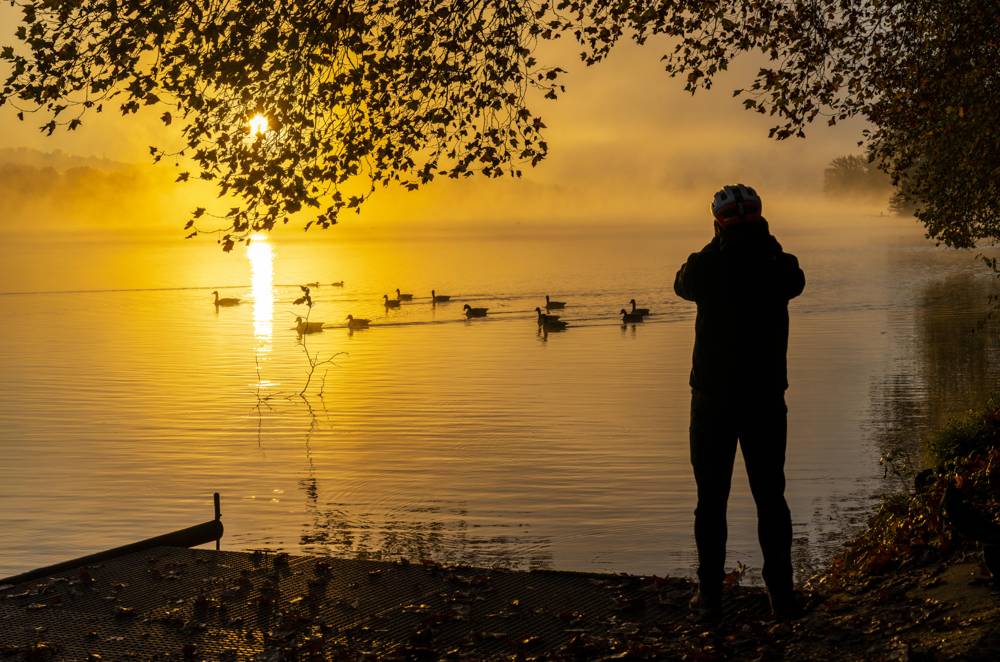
(857, 176)
(20, 182)
(854, 174)
(50, 198)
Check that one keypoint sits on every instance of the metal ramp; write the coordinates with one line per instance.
(194, 604)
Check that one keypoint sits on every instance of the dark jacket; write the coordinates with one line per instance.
(742, 282)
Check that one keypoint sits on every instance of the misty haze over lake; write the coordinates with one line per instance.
(479, 441)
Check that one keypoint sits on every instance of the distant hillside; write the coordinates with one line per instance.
(57, 160)
(46, 192)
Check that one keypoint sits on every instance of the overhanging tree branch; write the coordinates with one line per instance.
(361, 94)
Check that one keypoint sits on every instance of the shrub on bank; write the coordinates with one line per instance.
(976, 431)
(913, 529)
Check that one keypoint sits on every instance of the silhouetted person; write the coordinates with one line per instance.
(742, 282)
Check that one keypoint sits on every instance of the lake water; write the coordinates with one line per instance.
(126, 399)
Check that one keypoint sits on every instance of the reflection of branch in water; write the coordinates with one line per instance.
(260, 419)
(354, 531)
(313, 426)
(315, 362)
(446, 539)
(322, 384)
(309, 484)
(311, 488)
(262, 401)
(313, 359)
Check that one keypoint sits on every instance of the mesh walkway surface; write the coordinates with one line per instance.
(175, 603)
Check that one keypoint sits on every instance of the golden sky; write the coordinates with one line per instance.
(626, 143)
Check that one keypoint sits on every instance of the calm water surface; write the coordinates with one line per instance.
(126, 399)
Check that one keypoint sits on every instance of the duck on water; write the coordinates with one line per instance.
(630, 318)
(302, 326)
(474, 312)
(550, 322)
(355, 323)
(638, 311)
(225, 301)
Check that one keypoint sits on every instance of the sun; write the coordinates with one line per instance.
(261, 257)
(258, 125)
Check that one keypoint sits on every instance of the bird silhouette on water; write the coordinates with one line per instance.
(474, 312)
(553, 305)
(550, 322)
(225, 301)
(630, 318)
(355, 323)
(303, 326)
(638, 311)
(543, 316)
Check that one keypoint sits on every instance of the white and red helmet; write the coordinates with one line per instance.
(734, 204)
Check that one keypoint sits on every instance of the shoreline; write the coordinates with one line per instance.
(202, 604)
(181, 603)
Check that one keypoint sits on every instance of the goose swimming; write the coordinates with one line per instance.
(439, 298)
(474, 312)
(357, 323)
(551, 323)
(543, 316)
(302, 326)
(403, 296)
(638, 311)
(549, 304)
(630, 318)
(390, 303)
(226, 301)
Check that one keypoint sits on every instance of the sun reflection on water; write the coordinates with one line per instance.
(261, 256)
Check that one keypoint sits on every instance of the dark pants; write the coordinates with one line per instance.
(759, 423)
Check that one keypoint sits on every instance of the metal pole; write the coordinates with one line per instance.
(218, 516)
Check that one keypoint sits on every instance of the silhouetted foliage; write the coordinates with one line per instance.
(912, 529)
(383, 91)
(855, 175)
(904, 200)
(306, 298)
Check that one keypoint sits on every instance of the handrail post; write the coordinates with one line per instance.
(218, 516)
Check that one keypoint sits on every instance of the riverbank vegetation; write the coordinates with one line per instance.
(916, 583)
(950, 511)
